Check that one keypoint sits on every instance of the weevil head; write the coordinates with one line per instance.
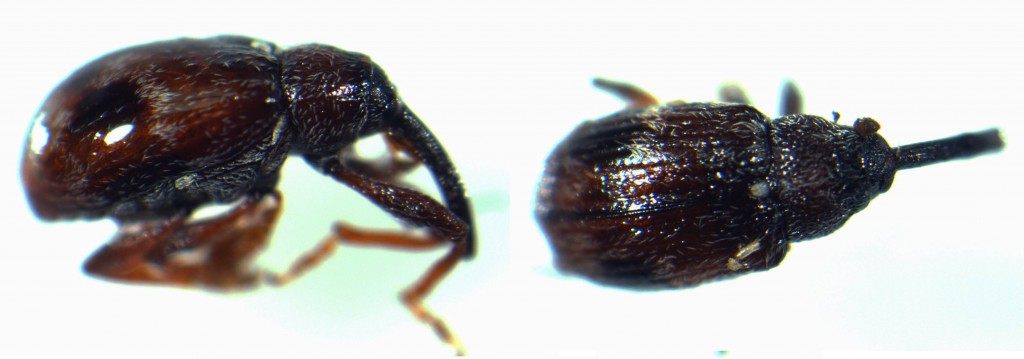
(824, 172)
(152, 129)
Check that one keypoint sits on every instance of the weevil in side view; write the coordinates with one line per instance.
(679, 194)
(148, 134)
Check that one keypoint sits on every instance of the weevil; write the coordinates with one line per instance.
(678, 194)
(148, 134)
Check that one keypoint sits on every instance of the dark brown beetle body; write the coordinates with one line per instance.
(679, 194)
(148, 134)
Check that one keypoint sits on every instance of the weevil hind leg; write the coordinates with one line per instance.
(443, 227)
(213, 253)
(634, 96)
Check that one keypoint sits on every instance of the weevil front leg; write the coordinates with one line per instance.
(415, 208)
(400, 159)
(215, 253)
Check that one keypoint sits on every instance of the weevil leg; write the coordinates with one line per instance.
(129, 256)
(733, 93)
(421, 211)
(397, 147)
(635, 96)
(791, 102)
(413, 296)
(409, 205)
(214, 253)
(400, 160)
(303, 264)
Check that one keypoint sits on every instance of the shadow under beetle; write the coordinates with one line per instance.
(675, 195)
(148, 134)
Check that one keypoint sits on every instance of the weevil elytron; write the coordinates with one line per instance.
(148, 134)
(675, 195)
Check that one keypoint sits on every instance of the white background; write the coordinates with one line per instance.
(936, 264)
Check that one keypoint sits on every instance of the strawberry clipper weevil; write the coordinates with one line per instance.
(679, 194)
(148, 134)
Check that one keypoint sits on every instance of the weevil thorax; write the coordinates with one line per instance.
(824, 172)
(335, 97)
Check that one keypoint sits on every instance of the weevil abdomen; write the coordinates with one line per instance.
(664, 196)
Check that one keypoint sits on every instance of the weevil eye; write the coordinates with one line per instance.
(866, 126)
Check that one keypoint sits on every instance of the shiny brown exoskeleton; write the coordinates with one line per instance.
(148, 134)
(674, 195)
